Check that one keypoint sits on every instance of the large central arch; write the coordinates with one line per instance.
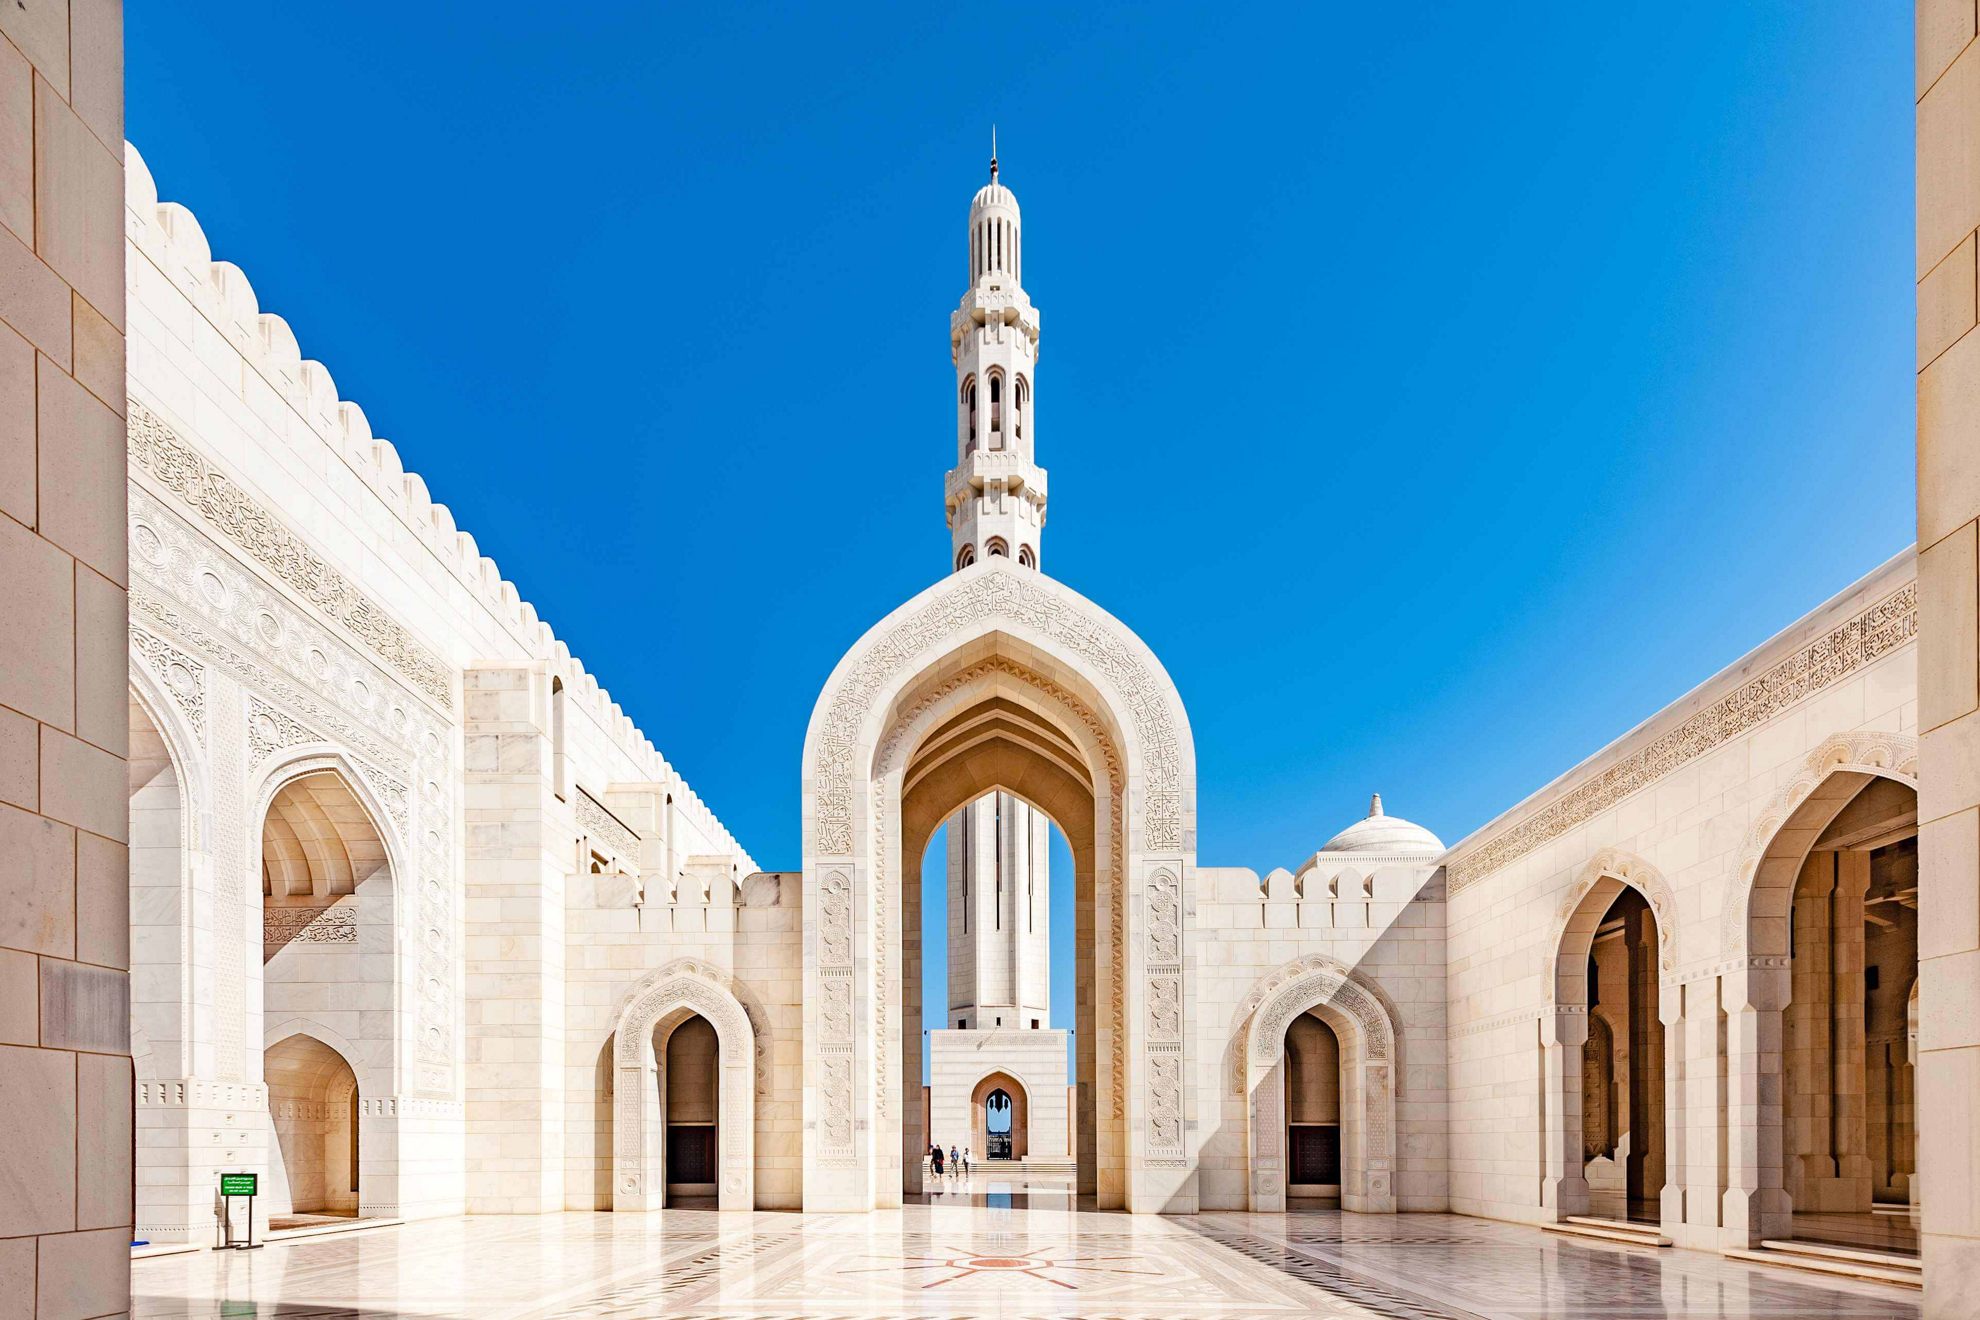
(999, 679)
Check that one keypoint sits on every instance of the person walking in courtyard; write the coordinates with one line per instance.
(955, 1162)
(935, 1158)
(965, 1162)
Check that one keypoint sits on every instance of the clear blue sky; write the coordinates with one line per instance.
(1437, 392)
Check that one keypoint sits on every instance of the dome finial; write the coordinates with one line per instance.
(1375, 806)
(993, 153)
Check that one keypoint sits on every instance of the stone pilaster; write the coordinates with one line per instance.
(1755, 1205)
(1704, 1089)
(520, 841)
(1948, 1072)
(1563, 1033)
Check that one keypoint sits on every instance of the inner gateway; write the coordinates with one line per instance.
(997, 1065)
(1002, 734)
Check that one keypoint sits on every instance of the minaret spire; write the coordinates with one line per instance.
(995, 495)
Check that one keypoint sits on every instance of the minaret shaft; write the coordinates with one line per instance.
(999, 915)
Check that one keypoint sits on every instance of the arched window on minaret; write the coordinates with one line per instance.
(1025, 558)
(996, 410)
(1020, 405)
(965, 557)
(997, 546)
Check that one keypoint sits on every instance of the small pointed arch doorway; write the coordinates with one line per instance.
(1000, 1114)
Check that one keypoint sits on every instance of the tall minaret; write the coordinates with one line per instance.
(999, 900)
(995, 495)
(1000, 916)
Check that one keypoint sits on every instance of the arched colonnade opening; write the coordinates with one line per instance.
(1834, 897)
(1607, 1114)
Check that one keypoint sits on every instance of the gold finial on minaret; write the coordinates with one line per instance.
(993, 153)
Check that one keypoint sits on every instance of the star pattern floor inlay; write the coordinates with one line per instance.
(969, 1254)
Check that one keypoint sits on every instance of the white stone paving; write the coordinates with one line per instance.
(984, 1248)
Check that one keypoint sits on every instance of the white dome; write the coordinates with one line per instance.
(1384, 834)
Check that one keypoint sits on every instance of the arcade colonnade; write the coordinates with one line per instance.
(1710, 839)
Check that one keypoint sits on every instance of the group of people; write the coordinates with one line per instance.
(955, 1163)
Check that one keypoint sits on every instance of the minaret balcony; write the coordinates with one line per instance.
(981, 307)
(1012, 467)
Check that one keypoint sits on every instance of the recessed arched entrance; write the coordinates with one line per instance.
(1000, 1117)
(684, 1105)
(1286, 1101)
(313, 1102)
(997, 679)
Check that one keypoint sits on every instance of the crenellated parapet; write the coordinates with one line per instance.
(170, 237)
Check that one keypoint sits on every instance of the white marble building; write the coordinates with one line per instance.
(510, 963)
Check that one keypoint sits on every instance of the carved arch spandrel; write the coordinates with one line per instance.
(1860, 752)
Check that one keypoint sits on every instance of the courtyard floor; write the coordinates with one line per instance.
(980, 1247)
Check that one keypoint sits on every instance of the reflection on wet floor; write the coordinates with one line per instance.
(987, 1246)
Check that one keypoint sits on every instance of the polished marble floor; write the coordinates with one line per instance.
(982, 1247)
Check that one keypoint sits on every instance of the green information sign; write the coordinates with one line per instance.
(237, 1184)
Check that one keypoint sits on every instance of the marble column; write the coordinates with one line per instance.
(1849, 1057)
(1810, 1028)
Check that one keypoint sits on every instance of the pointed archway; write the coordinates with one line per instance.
(999, 679)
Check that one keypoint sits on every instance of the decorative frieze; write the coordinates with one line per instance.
(231, 512)
(1842, 651)
(281, 924)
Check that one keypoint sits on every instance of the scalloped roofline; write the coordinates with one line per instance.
(171, 236)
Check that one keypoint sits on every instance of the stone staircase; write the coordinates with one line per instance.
(1619, 1231)
(1844, 1262)
(1057, 1168)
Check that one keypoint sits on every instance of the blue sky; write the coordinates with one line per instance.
(1438, 393)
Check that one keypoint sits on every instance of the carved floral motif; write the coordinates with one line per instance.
(597, 820)
(183, 677)
(999, 594)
